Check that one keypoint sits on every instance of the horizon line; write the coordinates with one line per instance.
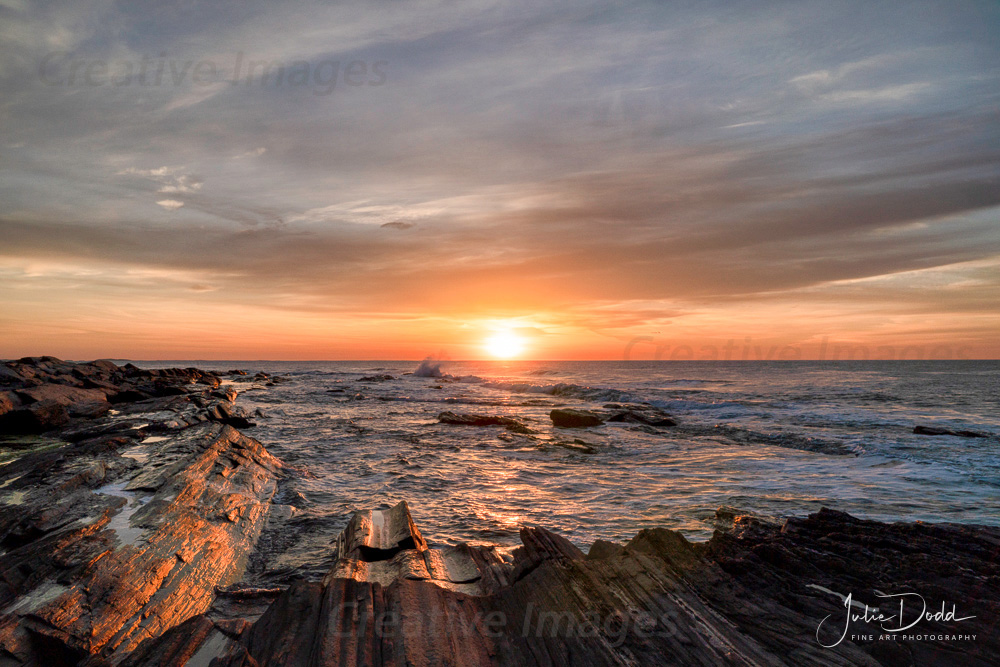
(499, 361)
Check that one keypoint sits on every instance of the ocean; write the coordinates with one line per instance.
(777, 439)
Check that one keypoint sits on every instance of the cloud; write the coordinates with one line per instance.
(181, 184)
(886, 94)
(256, 152)
(625, 167)
(157, 173)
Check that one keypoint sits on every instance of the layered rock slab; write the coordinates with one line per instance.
(105, 554)
(754, 595)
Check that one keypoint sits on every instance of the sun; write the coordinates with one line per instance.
(504, 345)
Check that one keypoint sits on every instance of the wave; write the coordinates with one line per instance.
(732, 408)
(566, 390)
(690, 382)
(444, 401)
(744, 436)
(562, 389)
(312, 373)
(429, 369)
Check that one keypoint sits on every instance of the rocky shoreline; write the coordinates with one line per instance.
(131, 508)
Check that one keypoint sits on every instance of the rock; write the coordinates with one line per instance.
(164, 389)
(38, 417)
(742, 599)
(743, 435)
(8, 402)
(573, 418)
(227, 413)
(381, 377)
(933, 430)
(74, 402)
(641, 414)
(98, 571)
(96, 383)
(9, 376)
(239, 422)
(541, 546)
(118, 552)
(228, 393)
(105, 365)
(89, 409)
(221, 410)
(61, 394)
(193, 640)
(210, 380)
(576, 445)
(129, 396)
(510, 423)
(601, 549)
(375, 535)
(129, 428)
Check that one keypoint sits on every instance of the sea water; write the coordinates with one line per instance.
(775, 438)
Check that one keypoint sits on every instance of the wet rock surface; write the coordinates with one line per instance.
(640, 414)
(934, 430)
(41, 394)
(574, 418)
(754, 595)
(111, 536)
(512, 424)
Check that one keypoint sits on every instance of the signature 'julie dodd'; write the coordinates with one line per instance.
(905, 619)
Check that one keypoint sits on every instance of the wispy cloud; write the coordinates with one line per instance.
(600, 168)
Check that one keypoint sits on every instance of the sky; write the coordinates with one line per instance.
(391, 179)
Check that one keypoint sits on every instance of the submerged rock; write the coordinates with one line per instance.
(640, 414)
(380, 377)
(933, 430)
(574, 418)
(510, 423)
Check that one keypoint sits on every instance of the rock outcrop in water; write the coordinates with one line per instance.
(125, 549)
(574, 418)
(935, 430)
(645, 415)
(510, 423)
(640, 414)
